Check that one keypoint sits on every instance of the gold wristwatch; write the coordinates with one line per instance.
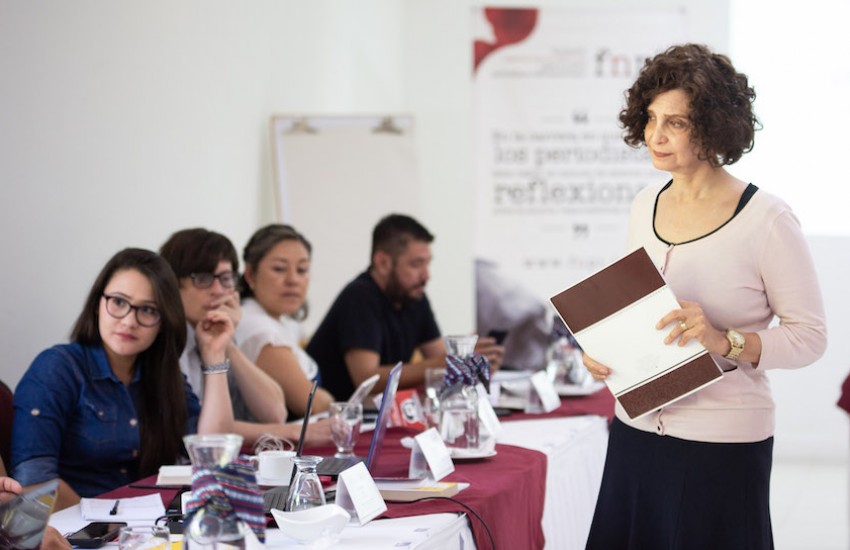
(737, 341)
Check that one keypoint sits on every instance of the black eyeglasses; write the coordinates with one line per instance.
(119, 307)
(227, 279)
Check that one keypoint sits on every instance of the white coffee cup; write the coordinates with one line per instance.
(274, 465)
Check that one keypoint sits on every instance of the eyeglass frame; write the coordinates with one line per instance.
(234, 277)
(131, 307)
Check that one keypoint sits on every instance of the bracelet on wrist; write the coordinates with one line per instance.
(224, 366)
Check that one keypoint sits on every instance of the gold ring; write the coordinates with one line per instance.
(683, 325)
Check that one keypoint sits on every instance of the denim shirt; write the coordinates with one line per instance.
(75, 420)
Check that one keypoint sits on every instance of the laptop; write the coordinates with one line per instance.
(333, 466)
(24, 517)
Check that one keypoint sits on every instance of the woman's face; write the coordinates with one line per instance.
(668, 133)
(197, 302)
(123, 339)
(280, 280)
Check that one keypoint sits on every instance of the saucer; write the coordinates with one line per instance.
(472, 454)
(271, 482)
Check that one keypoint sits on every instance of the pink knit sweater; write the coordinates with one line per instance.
(754, 270)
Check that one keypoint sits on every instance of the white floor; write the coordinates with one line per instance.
(809, 505)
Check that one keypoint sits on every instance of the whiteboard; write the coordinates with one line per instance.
(336, 176)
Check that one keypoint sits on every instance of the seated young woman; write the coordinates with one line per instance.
(274, 301)
(112, 406)
(207, 265)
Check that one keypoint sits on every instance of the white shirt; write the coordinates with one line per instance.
(258, 329)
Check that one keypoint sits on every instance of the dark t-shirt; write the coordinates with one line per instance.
(362, 317)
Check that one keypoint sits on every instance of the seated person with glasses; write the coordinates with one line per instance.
(112, 406)
(206, 265)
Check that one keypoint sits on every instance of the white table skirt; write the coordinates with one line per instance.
(575, 448)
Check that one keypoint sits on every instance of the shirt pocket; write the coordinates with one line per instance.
(97, 422)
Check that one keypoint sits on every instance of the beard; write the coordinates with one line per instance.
(399, 294)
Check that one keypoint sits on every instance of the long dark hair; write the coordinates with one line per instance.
(162, 418)
(261, 242)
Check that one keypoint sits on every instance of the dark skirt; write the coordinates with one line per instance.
(664, 493)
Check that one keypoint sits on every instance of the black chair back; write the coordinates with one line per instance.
(7, 411)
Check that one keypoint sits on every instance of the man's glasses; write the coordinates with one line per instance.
(227, 279)
(119, 307)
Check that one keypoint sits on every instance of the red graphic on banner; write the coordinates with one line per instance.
(510, 25)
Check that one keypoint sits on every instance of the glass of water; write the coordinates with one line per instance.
(345, 419)
(144, 537)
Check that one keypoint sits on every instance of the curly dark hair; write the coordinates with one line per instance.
(722, 119)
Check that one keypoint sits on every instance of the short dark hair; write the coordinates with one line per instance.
(395, 231)
(198, 250)
(722, 117)
(260, 243)
(162, 418)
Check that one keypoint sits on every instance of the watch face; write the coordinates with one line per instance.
(736, 338)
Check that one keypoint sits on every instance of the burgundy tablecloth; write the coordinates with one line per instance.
(600, 403)
(141, 488)
(506, 490)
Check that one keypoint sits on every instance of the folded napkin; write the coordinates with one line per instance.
(146, 508)
(467, 370)
(227, 490)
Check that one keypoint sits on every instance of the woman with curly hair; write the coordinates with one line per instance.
(696, 474)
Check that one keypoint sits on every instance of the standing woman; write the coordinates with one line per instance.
(696, 474)
(112, 406)
(274, 301)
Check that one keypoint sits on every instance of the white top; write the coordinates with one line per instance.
(747, 274)
(257, 329)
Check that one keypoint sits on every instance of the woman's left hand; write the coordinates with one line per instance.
(690, 323)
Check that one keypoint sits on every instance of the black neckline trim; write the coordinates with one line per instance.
(742, 202)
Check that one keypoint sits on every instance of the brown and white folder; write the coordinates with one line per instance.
(613, 314)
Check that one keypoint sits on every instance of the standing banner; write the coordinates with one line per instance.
(554, 178)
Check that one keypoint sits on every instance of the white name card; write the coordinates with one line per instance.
(487, 415)
(545, 389)
(357, 493)
(437, 456)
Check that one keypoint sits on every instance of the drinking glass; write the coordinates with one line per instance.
(212, 450)
(461, 345)
(143, 537)
(306, 489)
(345, 419)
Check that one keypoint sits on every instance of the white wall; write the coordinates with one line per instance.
(121, 122)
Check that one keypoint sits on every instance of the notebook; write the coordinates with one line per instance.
(24, 517)
(333, 466)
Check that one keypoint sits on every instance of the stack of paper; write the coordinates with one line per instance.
(174, 475)
(146, 508)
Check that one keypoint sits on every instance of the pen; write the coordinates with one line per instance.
(114, 511)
